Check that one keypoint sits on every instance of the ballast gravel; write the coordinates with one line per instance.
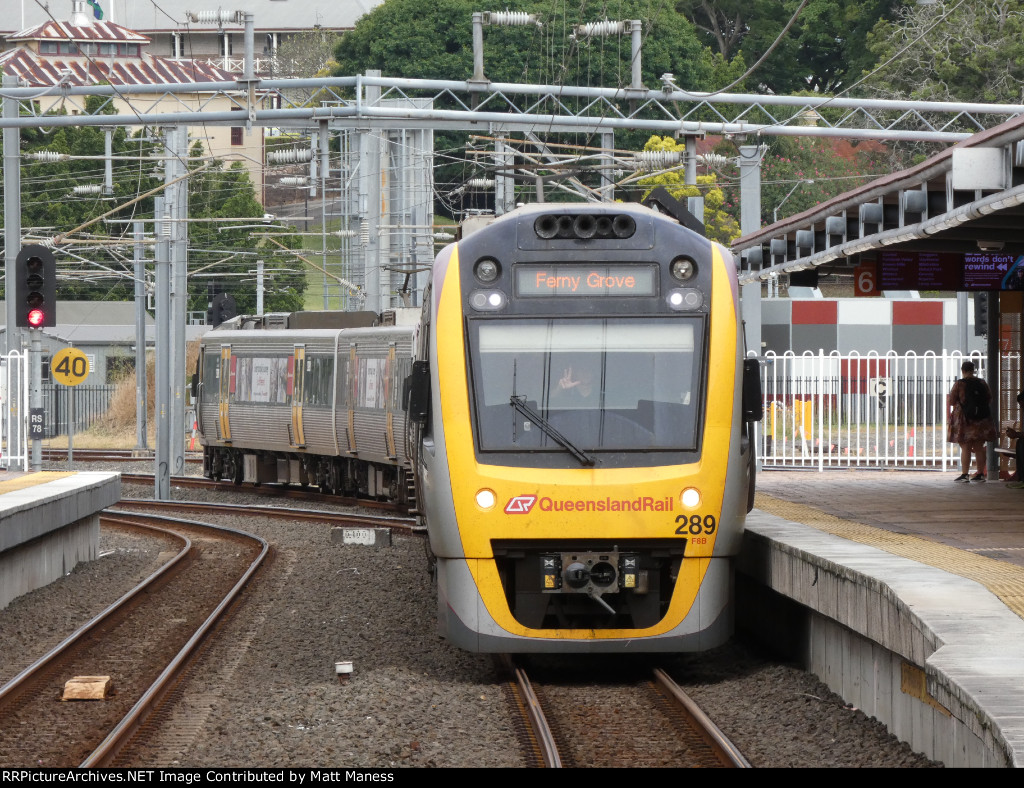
(267, 693)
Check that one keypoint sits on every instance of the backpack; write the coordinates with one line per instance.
(975, 400)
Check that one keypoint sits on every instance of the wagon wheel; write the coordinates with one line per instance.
(334, 478)
(217, 467)
(323, 477)
(234, 469)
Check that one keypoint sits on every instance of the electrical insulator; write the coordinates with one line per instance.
(89, 188)
(48, 156)
(294, 180)
(713, 160)
(605, 28)
(290, 156)
(218, 17)
(510, 18)
(657, 159)
(480, 183)
(364, 233)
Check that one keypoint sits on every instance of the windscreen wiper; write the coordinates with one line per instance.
(519, 403)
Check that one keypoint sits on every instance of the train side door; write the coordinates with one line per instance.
(297, 379)
(353, 396)
(389, 367)
(226, 370)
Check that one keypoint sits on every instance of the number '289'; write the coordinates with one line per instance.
(695, 524)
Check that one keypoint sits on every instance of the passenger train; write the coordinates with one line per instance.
(306, 398)
(571, 417)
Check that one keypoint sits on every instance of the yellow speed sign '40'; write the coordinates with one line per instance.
(69, 366)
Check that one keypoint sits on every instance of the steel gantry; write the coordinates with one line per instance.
(472, 104)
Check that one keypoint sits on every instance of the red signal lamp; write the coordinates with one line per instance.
(36, 317)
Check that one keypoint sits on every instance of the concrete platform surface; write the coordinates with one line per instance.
(930, 571)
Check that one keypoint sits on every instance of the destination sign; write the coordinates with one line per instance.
(916, 270)
(586, 280)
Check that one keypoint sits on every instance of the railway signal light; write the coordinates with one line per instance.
(35, 287)
(222, 309)
(980, 314)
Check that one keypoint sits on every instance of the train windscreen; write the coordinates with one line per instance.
(610, 384)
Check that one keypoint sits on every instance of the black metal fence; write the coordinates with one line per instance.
(89, 402)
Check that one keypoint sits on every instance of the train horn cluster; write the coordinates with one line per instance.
(584, 226)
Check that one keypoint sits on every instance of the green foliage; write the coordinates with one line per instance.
(223, 255)
(823, 50)
(811, 170)
(970, 51)
(428, 40)
(719, 223)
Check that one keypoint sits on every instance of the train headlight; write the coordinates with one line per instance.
(690, 498)
(485, 498)
(685, 299)
(683, 269)
(487, 270)
(487, 300)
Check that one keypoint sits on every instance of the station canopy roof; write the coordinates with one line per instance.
(953, 222)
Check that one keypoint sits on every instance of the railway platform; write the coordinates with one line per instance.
(904, 593)
(49, 521)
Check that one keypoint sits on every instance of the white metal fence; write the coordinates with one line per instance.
(831, 410)
(14, 410)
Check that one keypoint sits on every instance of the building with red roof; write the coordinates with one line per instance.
(84, 51)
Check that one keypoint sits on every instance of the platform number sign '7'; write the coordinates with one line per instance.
(69, 366)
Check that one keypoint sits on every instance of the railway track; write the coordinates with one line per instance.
(648, 722)
(109, 455)
(291, 514)
(142, 642)
(267, 490)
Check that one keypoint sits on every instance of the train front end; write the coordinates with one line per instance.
(583, 464)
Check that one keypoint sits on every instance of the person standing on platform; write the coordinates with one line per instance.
(970, 421)
(1016, 434)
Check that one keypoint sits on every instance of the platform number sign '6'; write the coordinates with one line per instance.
(69, 366)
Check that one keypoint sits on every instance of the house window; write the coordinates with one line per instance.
(48, 47)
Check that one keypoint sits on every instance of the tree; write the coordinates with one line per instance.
(305, 55)
(719, 224)
(941, 52)
(822, 51)
(426, 40)
(797, 173)
(226, 253)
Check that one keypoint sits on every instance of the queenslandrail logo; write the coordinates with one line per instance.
(522, 504)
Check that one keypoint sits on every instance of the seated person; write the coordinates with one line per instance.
(575, 387)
